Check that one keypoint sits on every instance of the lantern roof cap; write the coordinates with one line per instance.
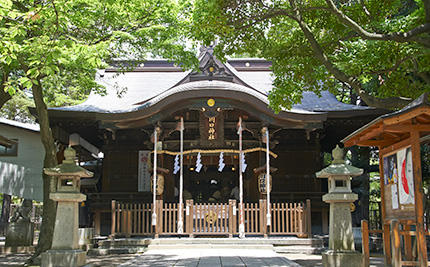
(68, 167)
(339, 166)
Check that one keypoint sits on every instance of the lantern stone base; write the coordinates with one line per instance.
(63, 258)
(333, 258)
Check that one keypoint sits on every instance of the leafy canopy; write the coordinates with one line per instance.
(59, 44)
(313, 47)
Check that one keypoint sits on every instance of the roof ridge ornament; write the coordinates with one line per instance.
(210, 68)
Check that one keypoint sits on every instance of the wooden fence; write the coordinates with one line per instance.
(402, 251)
(289, 218)
(134, 219)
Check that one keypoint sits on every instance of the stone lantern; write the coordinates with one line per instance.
(65, 249)
(341, 240)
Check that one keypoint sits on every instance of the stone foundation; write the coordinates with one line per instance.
(342, 258)
(63, 258)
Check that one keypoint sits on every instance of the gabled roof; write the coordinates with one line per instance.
(394, 127)
(17, 124)
(155, 82)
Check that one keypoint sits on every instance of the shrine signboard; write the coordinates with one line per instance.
(399, 185)
(211, 126)
(399, 136)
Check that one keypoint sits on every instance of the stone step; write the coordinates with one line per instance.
(118, 250)
(136, 245)
(210, 246)
(124, 242)
(290, 241)
(298, 249)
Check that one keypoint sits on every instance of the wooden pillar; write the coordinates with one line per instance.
(189, 217)
(97, 222)
(324, 217)
(232, 214)
(385, 225)
(264, 228)
(113, 216)
(308, 218)
(128, 219)
(419, 201)
(365, 242)
(408, 242)
(159, 220)
(396, 260)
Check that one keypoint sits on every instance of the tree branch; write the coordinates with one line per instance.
(393, 68)
(387, 103)
(402, 37)
(57, 24)
(268, 15)
(423, 75)
(4, 96)
(365, 9)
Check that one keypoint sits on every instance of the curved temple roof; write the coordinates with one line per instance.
(139, 91)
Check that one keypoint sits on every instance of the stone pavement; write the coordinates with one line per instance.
(209, 258)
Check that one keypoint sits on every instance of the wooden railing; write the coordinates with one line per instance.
(209, 218)
(252, 213)
(401, 252)
(169, 218)
(134, 219)
(289, 218)
(131, 218)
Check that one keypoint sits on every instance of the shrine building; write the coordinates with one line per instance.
(224, 109)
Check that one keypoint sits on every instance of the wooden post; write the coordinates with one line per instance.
(386, 227)
(97, 219)
(268, 186)
(113, 225)
(232, 217)
(324, 213)
(190, 216)
(263, 223)
(159, 226)
(419, 200)
(308, 218)
(181, 180)
(154, 183)
(387, 243)
(365, 242)
(128, 213)
(408, 242)
(396, 260)
(241, 159)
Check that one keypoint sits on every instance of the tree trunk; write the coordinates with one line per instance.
(5, 213)
(49, 206)
(4, 97)
(360, 184)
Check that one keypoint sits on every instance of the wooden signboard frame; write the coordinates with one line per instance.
(391, 133)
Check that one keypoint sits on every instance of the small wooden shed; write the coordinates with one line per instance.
(398, 136)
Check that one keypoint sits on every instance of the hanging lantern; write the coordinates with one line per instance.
(262, 181)
(160, 184)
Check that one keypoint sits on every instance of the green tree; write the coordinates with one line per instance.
(52, 48)
(379, 50)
